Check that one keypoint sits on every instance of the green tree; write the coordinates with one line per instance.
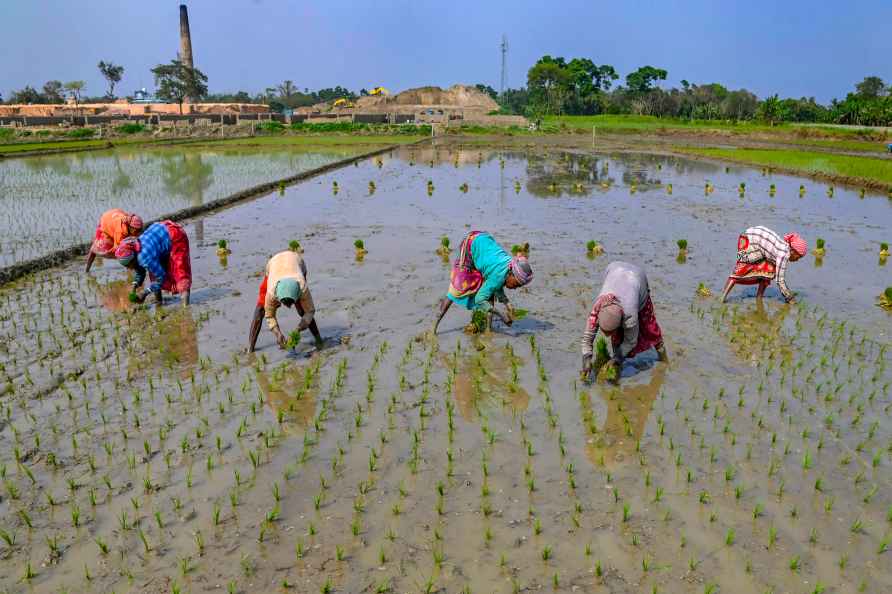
(642, 80)
(771, 110)
(112, 73)
(27, 95)
(177, 81)
(75, 87)
(548, 81)
(52, 92)
(871, 87)
(487, 89)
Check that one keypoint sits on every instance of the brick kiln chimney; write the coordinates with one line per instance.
(185, 37)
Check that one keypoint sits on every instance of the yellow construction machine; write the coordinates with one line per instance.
(379, 91)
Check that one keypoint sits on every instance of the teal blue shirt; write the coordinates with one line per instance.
(492, 262)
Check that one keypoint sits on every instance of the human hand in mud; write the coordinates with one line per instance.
(586, 367)
(612, 370)
(509, 309)
(792, 300)
(505, 317)
(280, 338)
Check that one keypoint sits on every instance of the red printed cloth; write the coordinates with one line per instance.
(103, 245)
(465, 278)
(178, 266)
(752, 273)
(649, 333)
(261, 297)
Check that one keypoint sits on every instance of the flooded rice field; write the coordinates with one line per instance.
(52, 202)
(145, 451)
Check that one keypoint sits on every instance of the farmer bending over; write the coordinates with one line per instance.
(623, 311)
(163, 251)
(481, 274)
(114, 225)
(285, 283)
(762, 256)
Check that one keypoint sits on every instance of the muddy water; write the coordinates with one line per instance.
(51, 202)
(757, 460)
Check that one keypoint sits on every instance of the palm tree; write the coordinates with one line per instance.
(287, 89)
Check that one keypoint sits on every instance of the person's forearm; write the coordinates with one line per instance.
(588, 339)
(90, 257)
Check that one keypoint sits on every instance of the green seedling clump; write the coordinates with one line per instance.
(294, 246)
(703, 290)
(884, 250)
(594, 248)
(444, 249)
(682, 245)
(520, 314)
(520, 250)
(886, 299)
(819, 247)
(132, 298)
(478, 323)
(293, 339)
(360, 249)
(223, 248)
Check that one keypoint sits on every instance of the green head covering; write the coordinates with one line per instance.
(287, 288)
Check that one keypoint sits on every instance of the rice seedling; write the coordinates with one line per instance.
(593, 248)
(359, 246)
(546, 553)
(294, 246)
(443, 250)
(703, 290)
(884, 250)
(885, 300)
(223, 248)
(819, 248)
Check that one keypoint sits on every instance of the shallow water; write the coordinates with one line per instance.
(50, 202)
(763, 445)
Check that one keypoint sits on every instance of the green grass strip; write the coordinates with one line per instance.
(845, 167)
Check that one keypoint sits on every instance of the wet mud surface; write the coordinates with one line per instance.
(146, 452)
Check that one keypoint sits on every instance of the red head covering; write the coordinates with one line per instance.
(797, 244)
(134, 221)
(127, 250)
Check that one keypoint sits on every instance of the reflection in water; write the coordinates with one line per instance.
(190, 177)
(290, 394)
(487, 379)
(566, 174)
(628, 408)
(121, 180)
(757, 335)
(113, 296)
(167, 338)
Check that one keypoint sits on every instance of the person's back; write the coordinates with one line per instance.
(286, 264)
(629, 283)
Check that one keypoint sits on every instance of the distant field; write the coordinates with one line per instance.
(23, 147)
(318, 140)
(630, 123)
(278, 140)
(843, 166)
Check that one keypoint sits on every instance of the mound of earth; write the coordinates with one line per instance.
(455, 97)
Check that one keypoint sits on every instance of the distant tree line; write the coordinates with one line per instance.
(556, 86)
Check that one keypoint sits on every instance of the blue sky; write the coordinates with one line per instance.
(792, 47)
